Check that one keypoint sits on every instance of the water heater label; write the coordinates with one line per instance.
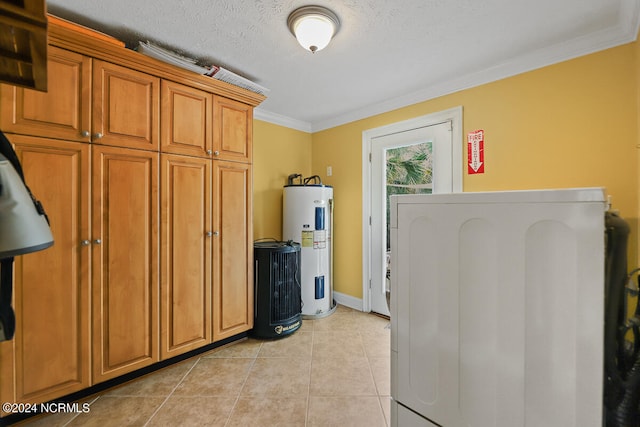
(319, 239)
(307, 239)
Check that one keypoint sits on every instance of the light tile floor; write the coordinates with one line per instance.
(333, 371)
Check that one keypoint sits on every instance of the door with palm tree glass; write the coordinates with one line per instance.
(417, 161)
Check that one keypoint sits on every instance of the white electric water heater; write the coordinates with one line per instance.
(308, 220)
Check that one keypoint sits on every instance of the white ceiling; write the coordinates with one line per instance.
(387, 54)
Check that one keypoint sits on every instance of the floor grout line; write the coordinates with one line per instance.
(172, 391)
(235, 403)
(306, 415)
(78, 414)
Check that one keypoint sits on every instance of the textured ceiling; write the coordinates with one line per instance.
(387, 54)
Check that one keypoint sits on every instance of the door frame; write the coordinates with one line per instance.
(454, 115)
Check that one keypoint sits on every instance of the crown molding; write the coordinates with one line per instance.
(279, 119)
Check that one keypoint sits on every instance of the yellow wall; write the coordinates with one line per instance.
(277, 153)
(571, 124)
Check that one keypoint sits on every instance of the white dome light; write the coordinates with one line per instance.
(313, 26)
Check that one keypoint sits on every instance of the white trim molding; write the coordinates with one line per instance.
(278, 119)
(455, 116)
(347, 300)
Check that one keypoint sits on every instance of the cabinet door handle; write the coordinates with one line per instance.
(85, 242)
(216, 153)
(209, 233)
(216, 233)
(98, 135)
(209, 152)
(97, 241)
(86, 133)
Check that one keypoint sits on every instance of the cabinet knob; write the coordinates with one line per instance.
(98, 135)
(85, 242)
(209, 233)
(216, 153)
(209, 152)
(86, 133)
(216, 233)
(97, 241)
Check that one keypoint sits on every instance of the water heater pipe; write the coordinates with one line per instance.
(331, 260)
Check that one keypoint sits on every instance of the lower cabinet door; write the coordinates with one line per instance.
(125, 260)
(49, 355)
(185, 254)
(232, 249)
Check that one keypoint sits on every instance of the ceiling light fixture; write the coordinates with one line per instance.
(313, 26)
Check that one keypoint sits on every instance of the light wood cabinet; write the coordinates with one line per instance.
(186, 254)
(186, 117)
(63, 112)
(125, 107)
(229, 310)
(49, 356)
(125, 260)
(89, 100)
(232, 249)
(233, 130)
(195, 298)
(145, 171)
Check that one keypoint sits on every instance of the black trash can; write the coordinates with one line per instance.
(278, 300)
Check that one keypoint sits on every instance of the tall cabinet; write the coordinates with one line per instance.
(206, 154)
(145, 172)
(186, 229)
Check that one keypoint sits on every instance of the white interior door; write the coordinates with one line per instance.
(409, 162)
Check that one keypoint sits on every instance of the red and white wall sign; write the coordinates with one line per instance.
(475, 151)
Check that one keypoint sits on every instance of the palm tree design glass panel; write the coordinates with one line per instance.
(409, 171)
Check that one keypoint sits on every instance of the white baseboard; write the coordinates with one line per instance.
(347, 300)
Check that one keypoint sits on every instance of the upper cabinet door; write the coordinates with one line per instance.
(186, 117)
(126, 107)
(233, 134)
(63, 112)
